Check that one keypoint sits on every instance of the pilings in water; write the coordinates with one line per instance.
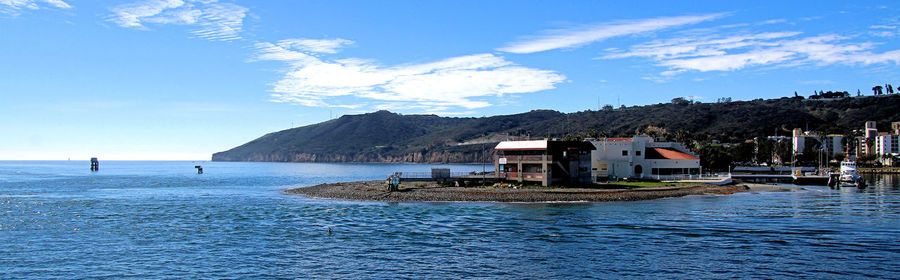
(199, 169)
(95, 164)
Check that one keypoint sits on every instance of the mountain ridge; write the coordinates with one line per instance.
(384, 136)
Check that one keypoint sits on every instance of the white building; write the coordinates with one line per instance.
(799, 141)
(886, 144)
(833, 143)
(640, 156)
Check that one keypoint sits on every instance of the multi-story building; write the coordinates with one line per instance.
(887, 145)
(871, 130)
(834, 144)
(640, 157)
(549, 162)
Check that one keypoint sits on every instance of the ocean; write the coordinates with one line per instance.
(163, 220)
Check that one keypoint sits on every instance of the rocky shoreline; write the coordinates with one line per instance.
(376, 191)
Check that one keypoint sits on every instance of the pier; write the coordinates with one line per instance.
(783, 178)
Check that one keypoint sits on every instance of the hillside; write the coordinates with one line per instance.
(388, 137)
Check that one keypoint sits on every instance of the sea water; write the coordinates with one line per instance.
(163, 220)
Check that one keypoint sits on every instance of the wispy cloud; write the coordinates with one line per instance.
(212, 20)
(891, 29)
(316, 45)
(569, 38)
(15, 6)
(772, 21)
(457, 82)
(736, 52)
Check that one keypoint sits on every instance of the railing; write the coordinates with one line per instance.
(516, 159)
(425, 175)
(691, 176)
(525, 175)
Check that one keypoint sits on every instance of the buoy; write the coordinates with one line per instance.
(199, 169)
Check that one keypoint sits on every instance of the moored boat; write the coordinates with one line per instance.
(847, 176)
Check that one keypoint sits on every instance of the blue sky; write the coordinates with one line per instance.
(173, 79)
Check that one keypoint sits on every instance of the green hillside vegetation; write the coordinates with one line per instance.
(388, 137)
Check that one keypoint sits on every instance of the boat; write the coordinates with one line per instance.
(847, 176)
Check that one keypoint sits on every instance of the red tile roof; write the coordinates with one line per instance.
(673, 154)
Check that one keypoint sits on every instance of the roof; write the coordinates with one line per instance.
(618, 139)
(533, 145)
(664, 153)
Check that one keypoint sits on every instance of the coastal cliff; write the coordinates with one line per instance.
(389, 137)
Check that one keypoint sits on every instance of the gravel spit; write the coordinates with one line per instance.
(377, 191)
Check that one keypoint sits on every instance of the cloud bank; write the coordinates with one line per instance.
(456, 82)
(736, 52)
(212, 20)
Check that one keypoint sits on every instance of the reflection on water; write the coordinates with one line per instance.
(161, 219)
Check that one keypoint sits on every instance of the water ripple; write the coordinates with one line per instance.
(145, 221)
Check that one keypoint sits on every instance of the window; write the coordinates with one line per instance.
(603, 167)
(637, 153)
(624, 153)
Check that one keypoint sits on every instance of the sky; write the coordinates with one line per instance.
(182, 79)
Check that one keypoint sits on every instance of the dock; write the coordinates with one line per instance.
(783, 178)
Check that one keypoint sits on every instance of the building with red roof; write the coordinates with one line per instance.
(640, 157)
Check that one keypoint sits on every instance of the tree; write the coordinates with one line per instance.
(783, 151)
(765, 149)
(685, 138)
(656, 132)
(890, 88)
(607, 107)
(877, 90)
(680, 101)
(858, 93)
(839, 157)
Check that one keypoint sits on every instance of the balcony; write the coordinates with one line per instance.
(531, 158)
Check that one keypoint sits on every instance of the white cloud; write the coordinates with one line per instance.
(213, 20)
(885, 30)
(315, 45)
(568, 38)
(463, 81)
(773, 21)
(14, 6)
(731, 53)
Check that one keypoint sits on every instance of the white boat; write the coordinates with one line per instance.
(848, 176)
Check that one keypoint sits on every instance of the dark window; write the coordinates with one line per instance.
(625, 153)
(637, 153)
